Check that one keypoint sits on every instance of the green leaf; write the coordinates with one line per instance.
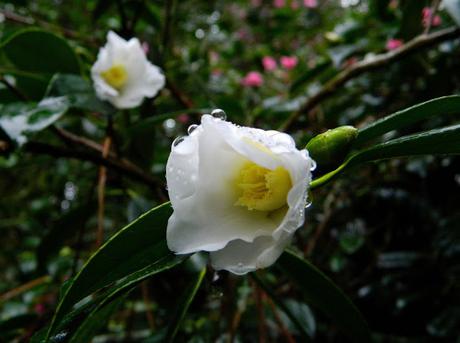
(305, 331)
(444, 141)
(95, 321)
(453, 8)
(35, 50)
(79, 92)
(19, 120)
(183, 305)
(447, 105)
(322, 293)
(138, 245)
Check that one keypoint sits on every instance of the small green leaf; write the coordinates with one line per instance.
(19, 120)
(183, 305)
(320, 292)
(444, 141)
(35, 50)
(135, 247)
(79, 92)
(444, 106)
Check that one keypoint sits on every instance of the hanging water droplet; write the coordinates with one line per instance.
(308, 203)
(191, 128)
(177, 141)
(219, 114)
(313, 165)
(240, 265)
(215, 277)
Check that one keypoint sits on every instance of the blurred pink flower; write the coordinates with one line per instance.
(310, 3)
(253, 79)
(145, 47)
(427, 16)
(256, 3)
(278, 3)
(393, 44)
(183, 118)
(289, 62)
(294, 4)
(269, 63)
(40, 309)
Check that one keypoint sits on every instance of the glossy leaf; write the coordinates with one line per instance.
(442, 141)
(139, 245)
(447, 105)
(95, 321)
(320, 292)
(183, 305)
(35, 50)
(19, 120)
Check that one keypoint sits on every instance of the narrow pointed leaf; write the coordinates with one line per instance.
(320, 292)
(140, 244)
(444, 141)
(444, 106)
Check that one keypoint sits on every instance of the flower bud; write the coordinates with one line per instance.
(331, 147)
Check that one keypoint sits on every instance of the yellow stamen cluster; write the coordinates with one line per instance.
(115, 76)
(262, 189)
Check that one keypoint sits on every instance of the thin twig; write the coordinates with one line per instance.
(147, 303)
(280, 324)
(368, 64)
(23, 288)
(122, 166)
(20, 95)
(166, 36)
(102, 178)
(260, 312)
(433, 10)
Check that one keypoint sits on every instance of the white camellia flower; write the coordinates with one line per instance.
(238, 192)
(122, 74)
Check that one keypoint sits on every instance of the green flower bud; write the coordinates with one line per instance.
(331, 147)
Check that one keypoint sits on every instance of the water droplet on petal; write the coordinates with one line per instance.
(219, 114)
(313, 165)
(240, 265)
(307, 203)
(177, 141)
(191, 128)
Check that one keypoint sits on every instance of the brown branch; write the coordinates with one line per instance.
(122, 166)
(148, 302)
(102, 178)
(183, 99)
(369, 64)
(24, 288)
(19, 19)
(279, 322)
(260, 313)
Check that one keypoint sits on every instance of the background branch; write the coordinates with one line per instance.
(368, 64)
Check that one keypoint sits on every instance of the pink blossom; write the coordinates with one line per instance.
(393, 44)
(289, 62)
(278, 3)
(145, 47)
(310, 3)
(294, 4)
(269, 63)
(427, 16)
(183, 118)
(253, 79)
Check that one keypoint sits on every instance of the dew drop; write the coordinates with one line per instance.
(219, 114)
(307, 203)
(177, 141)
(313, 165)
(240, 265)
(191, 128)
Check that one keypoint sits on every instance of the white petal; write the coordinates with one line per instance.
(241, 257)
(208, 219)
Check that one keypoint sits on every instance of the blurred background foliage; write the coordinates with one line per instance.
(387, 233)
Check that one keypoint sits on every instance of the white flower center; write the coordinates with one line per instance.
(262, 189)
(115, 76)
